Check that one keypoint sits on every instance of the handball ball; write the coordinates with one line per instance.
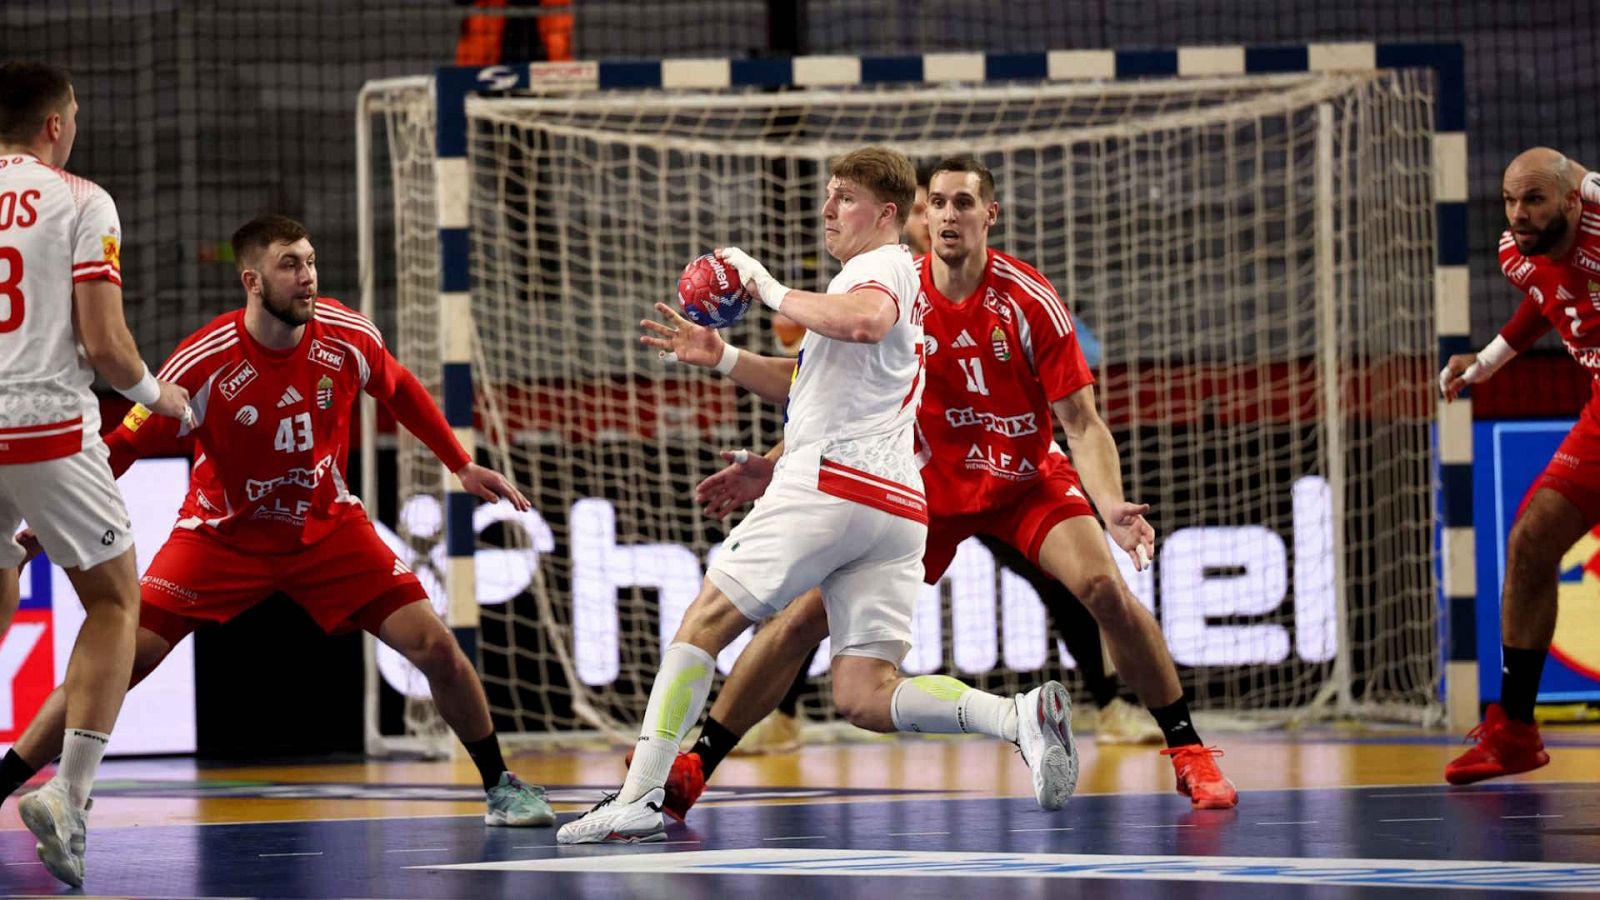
(710, 293)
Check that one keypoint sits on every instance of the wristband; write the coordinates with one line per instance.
(730, 358)
(146, 392)
(773, 295)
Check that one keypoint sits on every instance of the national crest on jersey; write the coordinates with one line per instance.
(56, 231)
(273, 426)
(1002, 356)
(1567, 290)
(852, 406)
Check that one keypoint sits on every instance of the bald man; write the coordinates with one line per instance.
(1550, 252)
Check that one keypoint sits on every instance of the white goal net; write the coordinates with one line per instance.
(1254, 254)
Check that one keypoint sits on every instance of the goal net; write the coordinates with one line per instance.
(1254, 254)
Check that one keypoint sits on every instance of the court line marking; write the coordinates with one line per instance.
(1306, 822)
(419, 850)
(1537, 816)
(915, 833)
(1174, 825)
(302, 853)
(797, 837)
(1430, 819)
(1016, 830)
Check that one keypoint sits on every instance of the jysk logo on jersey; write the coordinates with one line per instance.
(993, 303)
(1519, 272)
(325, 392)
(1586, 261)
(235, 381)
(323, 355)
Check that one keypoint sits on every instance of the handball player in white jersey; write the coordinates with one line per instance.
(845, 510)
(61, 287)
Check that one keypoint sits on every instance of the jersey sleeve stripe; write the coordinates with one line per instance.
(1032, 287)
(340, 319)
(881, 288)
(179, 371)
(105, 274)
(200, 346)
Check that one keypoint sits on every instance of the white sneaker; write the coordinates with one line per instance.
(613, 822)
(1044, 734)
(60, 828)
(1123, 723)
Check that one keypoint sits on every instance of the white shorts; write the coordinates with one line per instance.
(71, 503)
(868, 563)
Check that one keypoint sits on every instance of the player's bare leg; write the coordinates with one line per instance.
(40, 742)
(1508, 740)
(677, 698)
(10, 598)
(870, 693)
(1075, 553)
(416, 632)
(769, 665)
(96, 683)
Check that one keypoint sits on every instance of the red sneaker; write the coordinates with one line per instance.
(685, 784)
(1199, 779)
(1505, 747)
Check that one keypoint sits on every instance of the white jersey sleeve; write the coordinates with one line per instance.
(56, 230)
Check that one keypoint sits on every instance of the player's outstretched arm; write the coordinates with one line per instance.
(679, 340)
(103, 330)
(862, 316)
(1094, 453)
(741, 482)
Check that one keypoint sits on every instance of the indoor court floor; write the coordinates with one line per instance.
(1321, 814)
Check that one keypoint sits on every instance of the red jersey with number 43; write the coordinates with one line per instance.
(1560, 293)
(995, 362)
(272, 426)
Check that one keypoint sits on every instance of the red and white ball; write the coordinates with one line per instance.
(710, 293)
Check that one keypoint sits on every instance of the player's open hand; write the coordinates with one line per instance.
(680, 340)
(1127, 526)
(745, 479)
(174, 402)
(491, 486)
(1458, 372)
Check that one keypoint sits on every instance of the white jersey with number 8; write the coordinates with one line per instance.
(56, 230)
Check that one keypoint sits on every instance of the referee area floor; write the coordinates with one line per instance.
(1321, 814)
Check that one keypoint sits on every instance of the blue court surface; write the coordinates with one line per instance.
(1497, 840)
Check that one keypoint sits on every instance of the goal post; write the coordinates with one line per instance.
(1267, 242)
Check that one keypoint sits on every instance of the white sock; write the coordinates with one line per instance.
(80, 759)
(939, 704)
(676, 700)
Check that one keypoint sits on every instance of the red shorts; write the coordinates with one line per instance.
(348, 580)
(1048, 500)
(1574, 472)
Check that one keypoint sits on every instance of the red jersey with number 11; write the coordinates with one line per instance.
(995, 362)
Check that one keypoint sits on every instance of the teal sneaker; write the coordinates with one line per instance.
(518, 804)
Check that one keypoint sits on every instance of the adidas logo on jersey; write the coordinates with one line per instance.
(400, 568)
(290, 397)
(964, 340)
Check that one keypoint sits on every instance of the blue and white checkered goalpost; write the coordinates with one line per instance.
(435, 191)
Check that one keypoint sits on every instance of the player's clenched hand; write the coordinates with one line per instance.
(491, 486)
(681, 340)
(30, 547)
(1127, 526)
(754, 276)
(174, 401)
(741, 482)
(1457, 373)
